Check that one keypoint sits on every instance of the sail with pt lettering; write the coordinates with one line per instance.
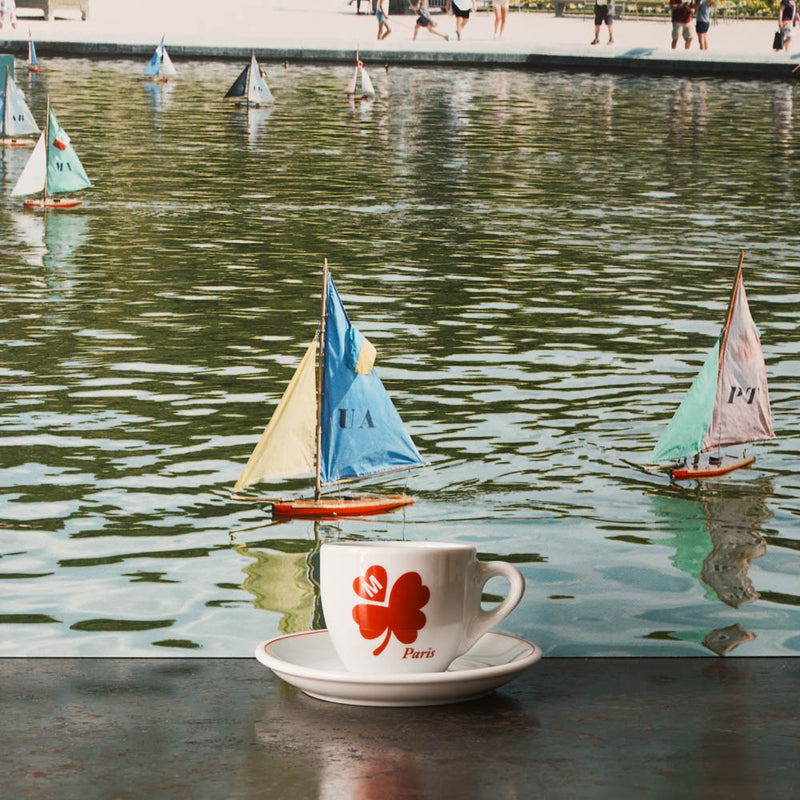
(726, 406)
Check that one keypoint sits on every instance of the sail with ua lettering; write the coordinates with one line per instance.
(727, 405)
(343, 424)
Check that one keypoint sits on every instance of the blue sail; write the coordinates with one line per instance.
(154, 65)
(362, 433)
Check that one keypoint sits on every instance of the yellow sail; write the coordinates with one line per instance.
(287, 446)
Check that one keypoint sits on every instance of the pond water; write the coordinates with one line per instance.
(543, 262)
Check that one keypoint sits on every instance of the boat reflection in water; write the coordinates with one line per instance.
(733, 516)
(159, 95)
(51, 240)
(283, 578)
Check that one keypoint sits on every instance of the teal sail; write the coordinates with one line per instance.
(362, 433)
(685, 435)
(65, 173)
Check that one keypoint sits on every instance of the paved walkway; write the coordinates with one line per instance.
(330, 30)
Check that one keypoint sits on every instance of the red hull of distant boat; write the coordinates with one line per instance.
(341, 506)
(709, 470)
(52, 203)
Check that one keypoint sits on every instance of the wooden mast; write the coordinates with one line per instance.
(46, 151)
(5, 103)
(320, 373)
(734, 293)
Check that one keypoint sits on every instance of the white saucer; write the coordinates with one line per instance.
(308, 661)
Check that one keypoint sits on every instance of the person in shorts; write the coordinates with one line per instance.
(603, 14)
(702, 22)
(500, 8)
(681, 22)
(424, 19)
(787, 19)
(383, 19)
(461, 10)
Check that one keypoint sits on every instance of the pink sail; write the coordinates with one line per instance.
(741, 411)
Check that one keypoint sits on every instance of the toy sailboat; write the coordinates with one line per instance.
(250, 88)
(160, 66)
(726, 406)
(53, 168)
(343, 426)
(17, 117)
(360, 84)
(33, 64)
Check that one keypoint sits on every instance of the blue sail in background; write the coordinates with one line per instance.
(362, 433)
(160, 65)
(151, 70)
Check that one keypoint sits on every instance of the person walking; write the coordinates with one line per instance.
(702, 22)
(424, 19)
(461, 10)
(681, 22)
(500, 8)
(383, 20)
(787, 19)
(603, 14)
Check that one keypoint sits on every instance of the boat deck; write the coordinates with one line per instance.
(668, 727)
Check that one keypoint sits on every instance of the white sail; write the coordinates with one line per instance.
(167, 68)
(258, 92)
(31, 179)
(287, 446)
(17, 117)
(366, 84)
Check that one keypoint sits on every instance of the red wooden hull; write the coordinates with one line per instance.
(16, 142)
(707, 468)
(52, 202)
(327, 507)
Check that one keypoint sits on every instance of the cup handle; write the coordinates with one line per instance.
(485, 620)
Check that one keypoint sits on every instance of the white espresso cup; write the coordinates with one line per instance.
(404, 607)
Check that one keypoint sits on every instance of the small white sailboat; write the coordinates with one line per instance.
(360, 84)
(343, 426)
(250, 88)
(53, 168)
(160, 66)
(726, 406)
(17, 117)
(33, 64)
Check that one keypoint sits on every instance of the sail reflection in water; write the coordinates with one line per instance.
(284, 582)
(716, 546)
(51, 239)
